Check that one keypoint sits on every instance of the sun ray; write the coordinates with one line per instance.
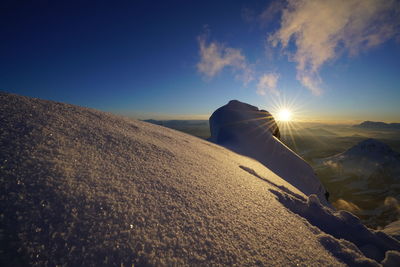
(284, 115)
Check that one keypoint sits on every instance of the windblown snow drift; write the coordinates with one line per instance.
(83, 187)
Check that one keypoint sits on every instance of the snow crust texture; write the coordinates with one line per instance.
(86, 188)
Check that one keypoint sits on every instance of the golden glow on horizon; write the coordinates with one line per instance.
(284, 115)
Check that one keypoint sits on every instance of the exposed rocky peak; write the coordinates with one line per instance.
(237, 120)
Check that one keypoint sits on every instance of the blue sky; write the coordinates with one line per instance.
(184, 59)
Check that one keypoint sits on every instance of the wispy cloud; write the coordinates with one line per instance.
(214, 57)
(323, 29)
(267, 84)
(264, 18)
(270, 13)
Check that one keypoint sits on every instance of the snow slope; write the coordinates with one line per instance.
(86, 188)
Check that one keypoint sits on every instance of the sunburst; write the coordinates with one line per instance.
(284, 115)
(288, 114)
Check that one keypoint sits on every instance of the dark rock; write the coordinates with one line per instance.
(237, 119)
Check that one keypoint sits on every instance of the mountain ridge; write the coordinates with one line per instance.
(378, 125)
(84, 187)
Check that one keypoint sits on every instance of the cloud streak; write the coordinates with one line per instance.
(214, 57)
(324, 29)
(267, 84)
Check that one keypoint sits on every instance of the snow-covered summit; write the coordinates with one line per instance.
(252, 132)
(366, 157)
(80, 187)
(372, 148)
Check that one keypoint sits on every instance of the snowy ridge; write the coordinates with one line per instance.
(252, 132)
(83, 187)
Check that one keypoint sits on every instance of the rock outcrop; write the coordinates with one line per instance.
(236, 120)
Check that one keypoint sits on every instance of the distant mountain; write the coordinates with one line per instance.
(372, 148)
(366, 157)
(367, 175)
(378, 125)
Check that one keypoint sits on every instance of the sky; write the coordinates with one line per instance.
(325, 60)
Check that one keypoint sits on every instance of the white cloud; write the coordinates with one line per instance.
(215, 56)
(324, 29)
(267, 84)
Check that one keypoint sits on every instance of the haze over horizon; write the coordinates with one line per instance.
(323, 60)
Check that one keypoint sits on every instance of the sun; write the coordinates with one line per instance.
(284, 115)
